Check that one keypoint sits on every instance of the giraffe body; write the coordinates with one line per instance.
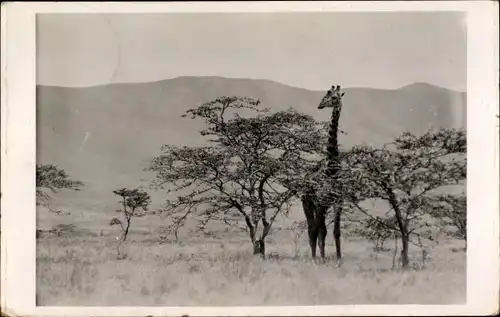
(314, 209)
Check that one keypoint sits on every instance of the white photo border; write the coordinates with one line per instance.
(18, 157)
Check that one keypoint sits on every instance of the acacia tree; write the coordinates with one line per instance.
(408, 174)
(248, 173)
(134, 204)
(51, 178)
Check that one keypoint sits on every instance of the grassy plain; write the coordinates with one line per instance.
(81, 268)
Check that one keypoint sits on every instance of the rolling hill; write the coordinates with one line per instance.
(104, 135)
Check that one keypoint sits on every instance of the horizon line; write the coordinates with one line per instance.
(246, 78)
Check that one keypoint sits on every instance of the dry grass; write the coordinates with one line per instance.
(83, 270)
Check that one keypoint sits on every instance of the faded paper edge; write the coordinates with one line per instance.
(18, 158)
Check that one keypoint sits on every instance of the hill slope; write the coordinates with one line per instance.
(104, 135)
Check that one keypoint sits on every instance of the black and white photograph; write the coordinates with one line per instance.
(253, 159)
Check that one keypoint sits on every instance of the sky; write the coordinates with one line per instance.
(309, 50)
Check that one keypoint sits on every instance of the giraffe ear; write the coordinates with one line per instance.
(342, 95)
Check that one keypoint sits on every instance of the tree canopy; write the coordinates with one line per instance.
(50, 177)
(250, 171)
(408, 174)
(134, 204)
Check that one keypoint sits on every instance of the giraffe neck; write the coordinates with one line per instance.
(333, 146)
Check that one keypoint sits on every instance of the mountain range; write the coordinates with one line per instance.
(105, 135)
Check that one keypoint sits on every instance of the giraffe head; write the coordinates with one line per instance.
(332, 99)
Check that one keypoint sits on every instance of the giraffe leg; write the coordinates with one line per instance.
(309, 211)
(313, 237)
(322, 232)
(336, 234)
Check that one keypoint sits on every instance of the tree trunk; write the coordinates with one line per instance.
(402, 225)
(251, 229)
(125, 233)
(258, 244)
(395, 254)
(259, 247)
(405, 239)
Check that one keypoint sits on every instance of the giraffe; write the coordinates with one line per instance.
(314, 210)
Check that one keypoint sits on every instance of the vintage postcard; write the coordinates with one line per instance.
(250, 158)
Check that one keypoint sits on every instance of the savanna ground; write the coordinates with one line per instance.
(81, 268)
